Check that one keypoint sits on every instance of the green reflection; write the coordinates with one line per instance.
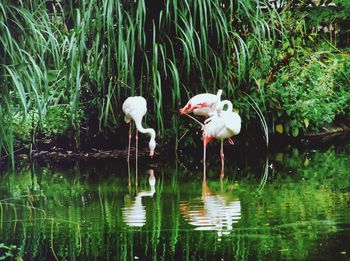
(297, 210)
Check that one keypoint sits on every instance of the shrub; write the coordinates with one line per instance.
(309, 92)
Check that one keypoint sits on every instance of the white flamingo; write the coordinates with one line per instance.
(135, 108)
(220, 127)
(204, 104)
(207, 104)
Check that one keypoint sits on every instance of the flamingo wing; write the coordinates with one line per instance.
(134, 107)
(232, 121)
(202, 104)
(214, 126)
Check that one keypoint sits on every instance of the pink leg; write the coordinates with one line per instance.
(204, 157)
(129, 143)
(129, 182)
(222, 159)
(137, 148)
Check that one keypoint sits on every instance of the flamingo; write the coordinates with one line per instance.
(220, 127)
(135, 108)
(205, 103)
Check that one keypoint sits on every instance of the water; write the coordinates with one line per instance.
(293, 205)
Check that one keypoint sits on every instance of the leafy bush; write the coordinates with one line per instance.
(56, 121)
(9, 252)
(308, 92)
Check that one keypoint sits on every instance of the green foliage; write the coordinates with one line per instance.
(23, 130)
(301, 81)
(86, 57)
(8, 252)
(56, 121)
(337, 13)
(306, 92)
(90, 55)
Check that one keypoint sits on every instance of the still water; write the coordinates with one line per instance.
(291, 205)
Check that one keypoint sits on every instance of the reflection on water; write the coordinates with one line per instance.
(134, 213)
(295, 209)
(215, 211)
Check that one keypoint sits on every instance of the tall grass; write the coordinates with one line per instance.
(92, 54)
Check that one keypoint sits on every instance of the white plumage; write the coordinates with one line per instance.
(135, 108)
(222, 126)
(202, 104)
(205, 103)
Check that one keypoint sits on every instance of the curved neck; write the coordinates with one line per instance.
(218, 95)
(141, 129)
(228, 103)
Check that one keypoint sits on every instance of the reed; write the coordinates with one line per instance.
(90, 55)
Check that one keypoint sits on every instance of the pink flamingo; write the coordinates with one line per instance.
(205, 103)
(135, 108)
(220, 127)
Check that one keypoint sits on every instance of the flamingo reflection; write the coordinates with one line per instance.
(134, 213)
(215, 211)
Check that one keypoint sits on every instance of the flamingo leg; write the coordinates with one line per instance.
(129, 143)
(204, 157)
(129, 182)
(137, 148)
(222, 159)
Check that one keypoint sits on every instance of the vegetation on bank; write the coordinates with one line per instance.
(67, 66)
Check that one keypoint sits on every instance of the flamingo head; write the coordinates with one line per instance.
(152, 146)
(187, 109)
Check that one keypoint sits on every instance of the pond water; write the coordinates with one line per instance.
(291, 205)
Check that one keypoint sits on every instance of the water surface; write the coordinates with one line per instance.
(292, 205)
